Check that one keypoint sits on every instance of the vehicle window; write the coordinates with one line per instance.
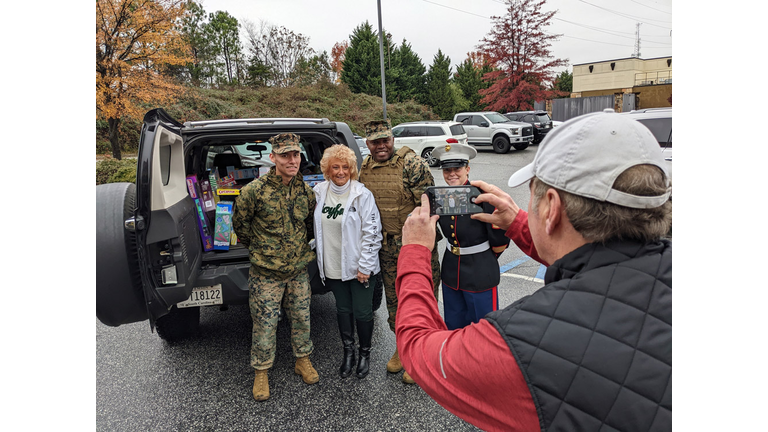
(398, 131)
(496, 118)
(457, 130)
(529, 118)
(434, 131)
(464, 119)
(416, 131)
(661, 128)
(476, 120)
(512, 117)
(544, 118)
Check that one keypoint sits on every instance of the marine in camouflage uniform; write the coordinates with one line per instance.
(273, 217)
(397, 180)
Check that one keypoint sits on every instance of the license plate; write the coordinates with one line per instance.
(203, 296)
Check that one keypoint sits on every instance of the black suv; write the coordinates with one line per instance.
(151, 261)
(540, 120)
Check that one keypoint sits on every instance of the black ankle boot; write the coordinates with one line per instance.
(364, 334)
(347, 331)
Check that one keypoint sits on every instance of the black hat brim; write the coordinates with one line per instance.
(454, 163)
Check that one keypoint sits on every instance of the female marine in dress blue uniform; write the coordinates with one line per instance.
(470, 269)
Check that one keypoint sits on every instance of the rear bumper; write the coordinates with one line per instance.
(234, 281)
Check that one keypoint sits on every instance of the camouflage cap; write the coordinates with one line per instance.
(285, 142)
(378, 129)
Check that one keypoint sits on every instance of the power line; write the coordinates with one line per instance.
(632, 17)
(610, 32)
(458, 10)
(642, 4)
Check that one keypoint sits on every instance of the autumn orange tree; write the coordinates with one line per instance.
(519, 48)
(135, 41)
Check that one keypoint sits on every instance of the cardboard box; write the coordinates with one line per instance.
(228, 192)
(221, 236)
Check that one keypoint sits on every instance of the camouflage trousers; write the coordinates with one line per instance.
(390, 249)
(265, 297)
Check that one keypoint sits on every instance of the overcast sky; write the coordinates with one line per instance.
(593, 30)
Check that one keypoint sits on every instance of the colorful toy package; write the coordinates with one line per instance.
(207, 196)
(213, 177)
(221, 236)
(205, 232)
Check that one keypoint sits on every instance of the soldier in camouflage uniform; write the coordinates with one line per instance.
(397, 179)
(273, 217)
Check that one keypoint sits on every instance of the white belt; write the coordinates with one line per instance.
(482, 247)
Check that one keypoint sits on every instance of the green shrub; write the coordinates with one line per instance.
(124, 174)
(113, 170)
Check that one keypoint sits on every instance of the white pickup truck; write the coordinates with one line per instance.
(492, 128)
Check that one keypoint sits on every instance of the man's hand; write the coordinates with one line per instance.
(419, 228)
(506, 208)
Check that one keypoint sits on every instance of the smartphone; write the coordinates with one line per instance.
(453, 200)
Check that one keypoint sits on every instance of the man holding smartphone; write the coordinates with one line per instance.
(470, 268)
(592, 348)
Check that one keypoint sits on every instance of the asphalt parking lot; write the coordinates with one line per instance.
(204, 383)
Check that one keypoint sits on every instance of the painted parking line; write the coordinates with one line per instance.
(509, 266)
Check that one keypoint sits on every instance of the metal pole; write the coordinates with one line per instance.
(381, 61)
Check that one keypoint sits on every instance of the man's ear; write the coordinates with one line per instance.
(554, 211)
(272, 157)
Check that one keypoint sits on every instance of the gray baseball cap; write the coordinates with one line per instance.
(586, 154)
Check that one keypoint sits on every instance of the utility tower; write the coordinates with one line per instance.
(636, 54)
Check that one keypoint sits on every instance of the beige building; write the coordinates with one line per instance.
(649, 79)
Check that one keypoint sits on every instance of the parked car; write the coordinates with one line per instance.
(423, 137)
(362, 146)
(659, 122)
(492, 128)
(151, 262)
(540, 121)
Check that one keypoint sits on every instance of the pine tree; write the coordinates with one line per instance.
(408, 75)
(361, 69)
(438, 92)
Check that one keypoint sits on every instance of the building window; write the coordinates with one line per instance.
(590, 68)
(613, 65)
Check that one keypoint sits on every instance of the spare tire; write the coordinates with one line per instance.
(119, 292)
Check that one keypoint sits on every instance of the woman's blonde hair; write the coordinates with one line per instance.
(342, 153)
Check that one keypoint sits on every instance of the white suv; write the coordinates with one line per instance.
(423, 137)
(659, 122)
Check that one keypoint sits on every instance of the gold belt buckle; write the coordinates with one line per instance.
(455, 250)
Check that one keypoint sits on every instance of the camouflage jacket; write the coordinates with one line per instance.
(275, 222)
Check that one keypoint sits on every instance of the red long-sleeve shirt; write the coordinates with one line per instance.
(470, 372)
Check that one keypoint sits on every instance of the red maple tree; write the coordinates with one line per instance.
(519, 48)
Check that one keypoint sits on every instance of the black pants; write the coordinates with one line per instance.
(352, 297)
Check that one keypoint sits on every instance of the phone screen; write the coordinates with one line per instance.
(453, 200)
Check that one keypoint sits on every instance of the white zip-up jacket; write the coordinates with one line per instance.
(360, 231)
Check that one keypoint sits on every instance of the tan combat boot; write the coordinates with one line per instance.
(394, 365)
(261, 386)
(407, 378)
(305, 369)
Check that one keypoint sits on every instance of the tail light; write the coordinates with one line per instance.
(452, 141)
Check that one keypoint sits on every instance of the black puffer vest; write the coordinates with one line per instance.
(595, 344)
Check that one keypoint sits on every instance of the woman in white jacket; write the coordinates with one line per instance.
(348, 239)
